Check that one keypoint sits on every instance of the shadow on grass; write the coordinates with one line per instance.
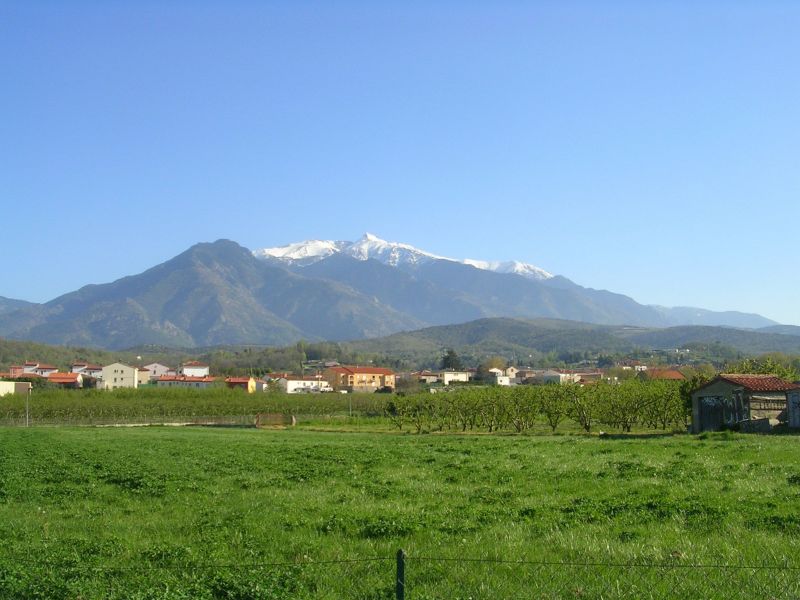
(639, 436)
(228, 426)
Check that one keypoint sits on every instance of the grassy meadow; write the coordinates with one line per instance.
(169, 513)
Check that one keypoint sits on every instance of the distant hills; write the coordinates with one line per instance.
(9, 304)
(523, 338)
(522, 341)
(223, 294)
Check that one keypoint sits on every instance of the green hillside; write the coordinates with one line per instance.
(537, 342)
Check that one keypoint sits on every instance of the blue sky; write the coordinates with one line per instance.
(647, 148)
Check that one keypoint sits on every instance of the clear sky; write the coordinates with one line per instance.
(649, 148)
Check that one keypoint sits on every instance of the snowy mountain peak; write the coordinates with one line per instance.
(510, 266)
(370, 246)
(304, 252)
(391, 253)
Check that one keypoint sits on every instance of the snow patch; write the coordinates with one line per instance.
(370, 246)
(318, 249)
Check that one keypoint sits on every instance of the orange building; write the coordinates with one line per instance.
(359, 379)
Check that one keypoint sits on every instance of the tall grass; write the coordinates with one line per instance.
(212, 513)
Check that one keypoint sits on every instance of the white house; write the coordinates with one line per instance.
(511, 372)
(301, 385)
(159, 370)
(144, 376)
(448, 377)
(118, 375)
(501, 380)
(194, 369)
(33, 368)
(87, 369)
(46, 370)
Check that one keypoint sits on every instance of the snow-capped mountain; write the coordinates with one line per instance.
(303, 252)
(510, 266)
(394, 254)
(220, 293)
(390, 253)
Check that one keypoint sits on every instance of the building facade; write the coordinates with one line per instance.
(194, 369)
(359, 379)
(304, 385)
(118, 375)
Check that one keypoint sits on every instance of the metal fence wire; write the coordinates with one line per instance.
(487, 578)
(400, 577)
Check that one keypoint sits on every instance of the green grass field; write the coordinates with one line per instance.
(244, 513)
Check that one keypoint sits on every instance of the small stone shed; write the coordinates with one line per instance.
(733, 398)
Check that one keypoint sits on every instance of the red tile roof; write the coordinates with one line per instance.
(87, 366)
(759, 383)
(238, 380)
(283, 375)
(64, 377)
(672, 374)
(194, 363)
(362, 370)
(185, 378)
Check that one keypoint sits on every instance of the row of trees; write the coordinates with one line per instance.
(650, 404)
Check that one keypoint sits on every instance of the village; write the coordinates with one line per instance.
(747, 402)
(328, 376)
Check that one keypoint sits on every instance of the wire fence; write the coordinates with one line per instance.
(402, 577)
(247, 420)
(481, 578)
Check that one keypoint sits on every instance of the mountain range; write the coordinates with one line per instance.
(521, 338)
(394, 254)
(222, 293)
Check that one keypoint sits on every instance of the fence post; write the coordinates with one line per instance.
(400, 581)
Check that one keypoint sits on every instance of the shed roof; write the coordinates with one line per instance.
(754, 383)
(759, 383)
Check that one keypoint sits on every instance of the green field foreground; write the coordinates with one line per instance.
(160, 512)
